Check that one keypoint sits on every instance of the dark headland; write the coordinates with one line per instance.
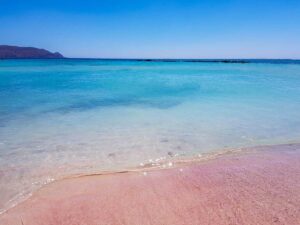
(15, 52)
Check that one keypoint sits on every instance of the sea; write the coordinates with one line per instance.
(72, 117)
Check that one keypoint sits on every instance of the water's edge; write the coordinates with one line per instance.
(170, 163)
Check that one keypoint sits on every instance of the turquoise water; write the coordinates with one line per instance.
(64, 117)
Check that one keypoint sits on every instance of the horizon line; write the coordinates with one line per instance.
(157, 58)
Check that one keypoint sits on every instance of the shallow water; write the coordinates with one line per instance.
(62, 117)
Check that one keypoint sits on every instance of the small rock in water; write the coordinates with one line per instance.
(112, 155)
(170, 154)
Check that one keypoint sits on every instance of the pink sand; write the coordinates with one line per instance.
(257, 187)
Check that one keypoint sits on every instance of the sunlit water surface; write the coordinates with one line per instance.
(64, 117)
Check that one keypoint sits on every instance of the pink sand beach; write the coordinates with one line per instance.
(258, 186)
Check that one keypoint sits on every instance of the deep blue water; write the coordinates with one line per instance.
(61, 117)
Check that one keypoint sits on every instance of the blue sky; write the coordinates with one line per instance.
(155, 29)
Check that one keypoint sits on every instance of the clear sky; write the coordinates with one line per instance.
(155, 28)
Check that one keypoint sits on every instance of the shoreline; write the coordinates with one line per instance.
(179, 160)
(226, 161)
(176, 161)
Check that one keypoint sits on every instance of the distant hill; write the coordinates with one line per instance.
(15, 52)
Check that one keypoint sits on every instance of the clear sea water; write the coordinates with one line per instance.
(64, 117)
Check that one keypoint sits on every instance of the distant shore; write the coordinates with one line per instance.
(258, 185)
(17, 52)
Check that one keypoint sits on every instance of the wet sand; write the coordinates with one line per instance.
(259, 186)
